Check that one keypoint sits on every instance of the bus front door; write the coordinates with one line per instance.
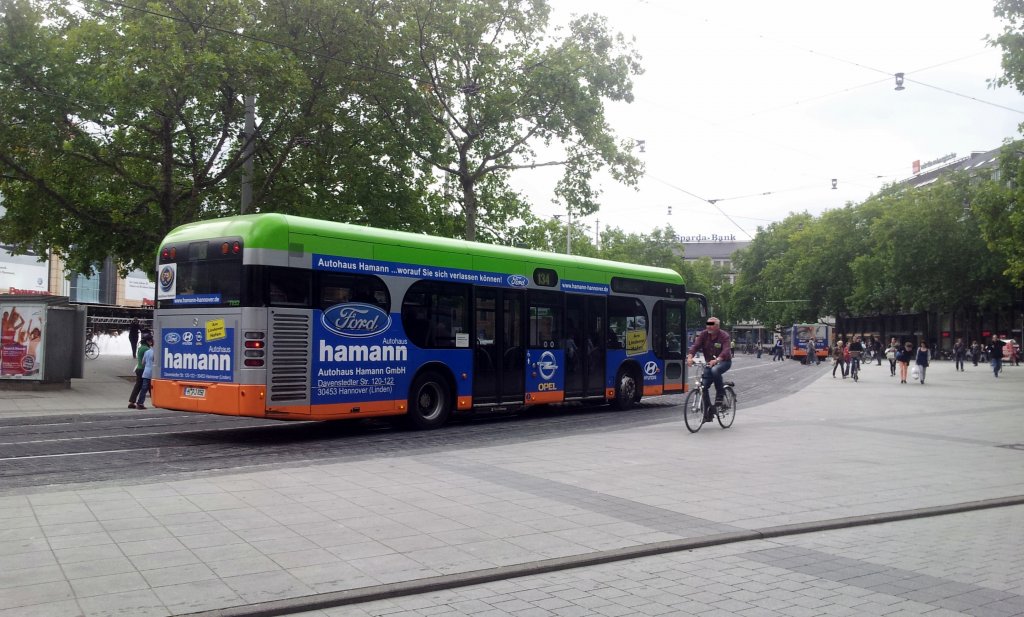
(672, 348)
(499, 358)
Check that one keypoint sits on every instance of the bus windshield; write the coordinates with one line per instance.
(200, 274)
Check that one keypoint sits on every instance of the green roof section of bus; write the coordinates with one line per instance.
(280, 231)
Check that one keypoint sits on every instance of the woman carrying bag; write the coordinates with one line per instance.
(890, 355)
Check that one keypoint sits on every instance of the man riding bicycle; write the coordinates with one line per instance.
(856, 351)
(715, 344)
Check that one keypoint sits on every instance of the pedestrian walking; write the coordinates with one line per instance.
(959, 352)
(890, 355)
(838, 352)
(975, 352)
(133, 336)
(777, 351)
(876, 348)
(922, 360)
(995, 352)
(144, 373)
(903, 357)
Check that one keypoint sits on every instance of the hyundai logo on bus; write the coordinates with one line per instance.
(518, 280)
(356, 320)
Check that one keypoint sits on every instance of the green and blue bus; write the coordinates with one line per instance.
(291, 318)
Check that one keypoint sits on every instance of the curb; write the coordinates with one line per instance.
(437, 583)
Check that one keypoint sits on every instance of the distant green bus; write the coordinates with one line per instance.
(277, 316)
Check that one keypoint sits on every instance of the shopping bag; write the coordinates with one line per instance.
(915, 373)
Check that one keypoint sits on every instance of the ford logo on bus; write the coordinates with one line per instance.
(172, 338)
(518, 280)
(356, 320)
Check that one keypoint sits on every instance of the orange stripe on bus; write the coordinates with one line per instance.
(541, 398)
(227, 399)
(674, 387)
(464, 402)
(653, 390)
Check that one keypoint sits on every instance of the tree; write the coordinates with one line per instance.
(766, 285)
(122, 123)
(485, 91)
(999, 208)
(125, 122)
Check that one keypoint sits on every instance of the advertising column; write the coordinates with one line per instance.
(21, 338)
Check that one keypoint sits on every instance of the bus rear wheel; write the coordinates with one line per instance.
(626, 390)
(430, 402)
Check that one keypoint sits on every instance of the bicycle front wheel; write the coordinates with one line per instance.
(92, 350)
(693, 411)
(728, 411)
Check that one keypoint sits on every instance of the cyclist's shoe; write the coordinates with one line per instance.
(131, 406)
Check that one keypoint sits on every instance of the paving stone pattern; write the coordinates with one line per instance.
(962, 564)
(217, 541)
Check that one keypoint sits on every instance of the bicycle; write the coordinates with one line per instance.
(694, 409)
(92, 350)
(854, 365)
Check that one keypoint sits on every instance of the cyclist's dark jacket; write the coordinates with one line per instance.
(713, 345)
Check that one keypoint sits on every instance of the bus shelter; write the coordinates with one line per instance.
(41, 341)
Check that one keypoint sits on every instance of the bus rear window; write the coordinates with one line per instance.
(201, 277)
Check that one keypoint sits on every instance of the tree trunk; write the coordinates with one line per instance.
(469, 205)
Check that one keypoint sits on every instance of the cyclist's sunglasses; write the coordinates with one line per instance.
(712, 323)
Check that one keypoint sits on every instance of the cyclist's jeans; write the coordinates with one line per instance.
(854, 365)
(713, 374)
(997, 365)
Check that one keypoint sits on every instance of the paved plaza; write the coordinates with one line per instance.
(646, 520)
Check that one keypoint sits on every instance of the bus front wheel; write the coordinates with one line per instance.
(429, 402)
(626, 390)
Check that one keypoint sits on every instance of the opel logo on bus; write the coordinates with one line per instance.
(547, 365)
(356, 320)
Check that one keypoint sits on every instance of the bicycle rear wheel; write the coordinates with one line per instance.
(728, 411)
(693, 411)
(92, 350)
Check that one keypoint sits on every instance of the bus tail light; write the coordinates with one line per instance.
(255, 349)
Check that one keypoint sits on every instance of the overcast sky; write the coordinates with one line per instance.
(748, 97)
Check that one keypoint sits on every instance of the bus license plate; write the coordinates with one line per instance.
(195, 392)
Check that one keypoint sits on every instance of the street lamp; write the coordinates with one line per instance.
(568, 231)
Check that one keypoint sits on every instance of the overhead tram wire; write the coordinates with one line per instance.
(817, 97)
(709, 201)
(966, 96)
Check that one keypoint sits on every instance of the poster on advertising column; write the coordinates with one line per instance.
(21, 341)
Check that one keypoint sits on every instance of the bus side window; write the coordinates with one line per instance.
(334, 288)
(287, 287)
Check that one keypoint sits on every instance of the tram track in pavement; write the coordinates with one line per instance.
(132, 446)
